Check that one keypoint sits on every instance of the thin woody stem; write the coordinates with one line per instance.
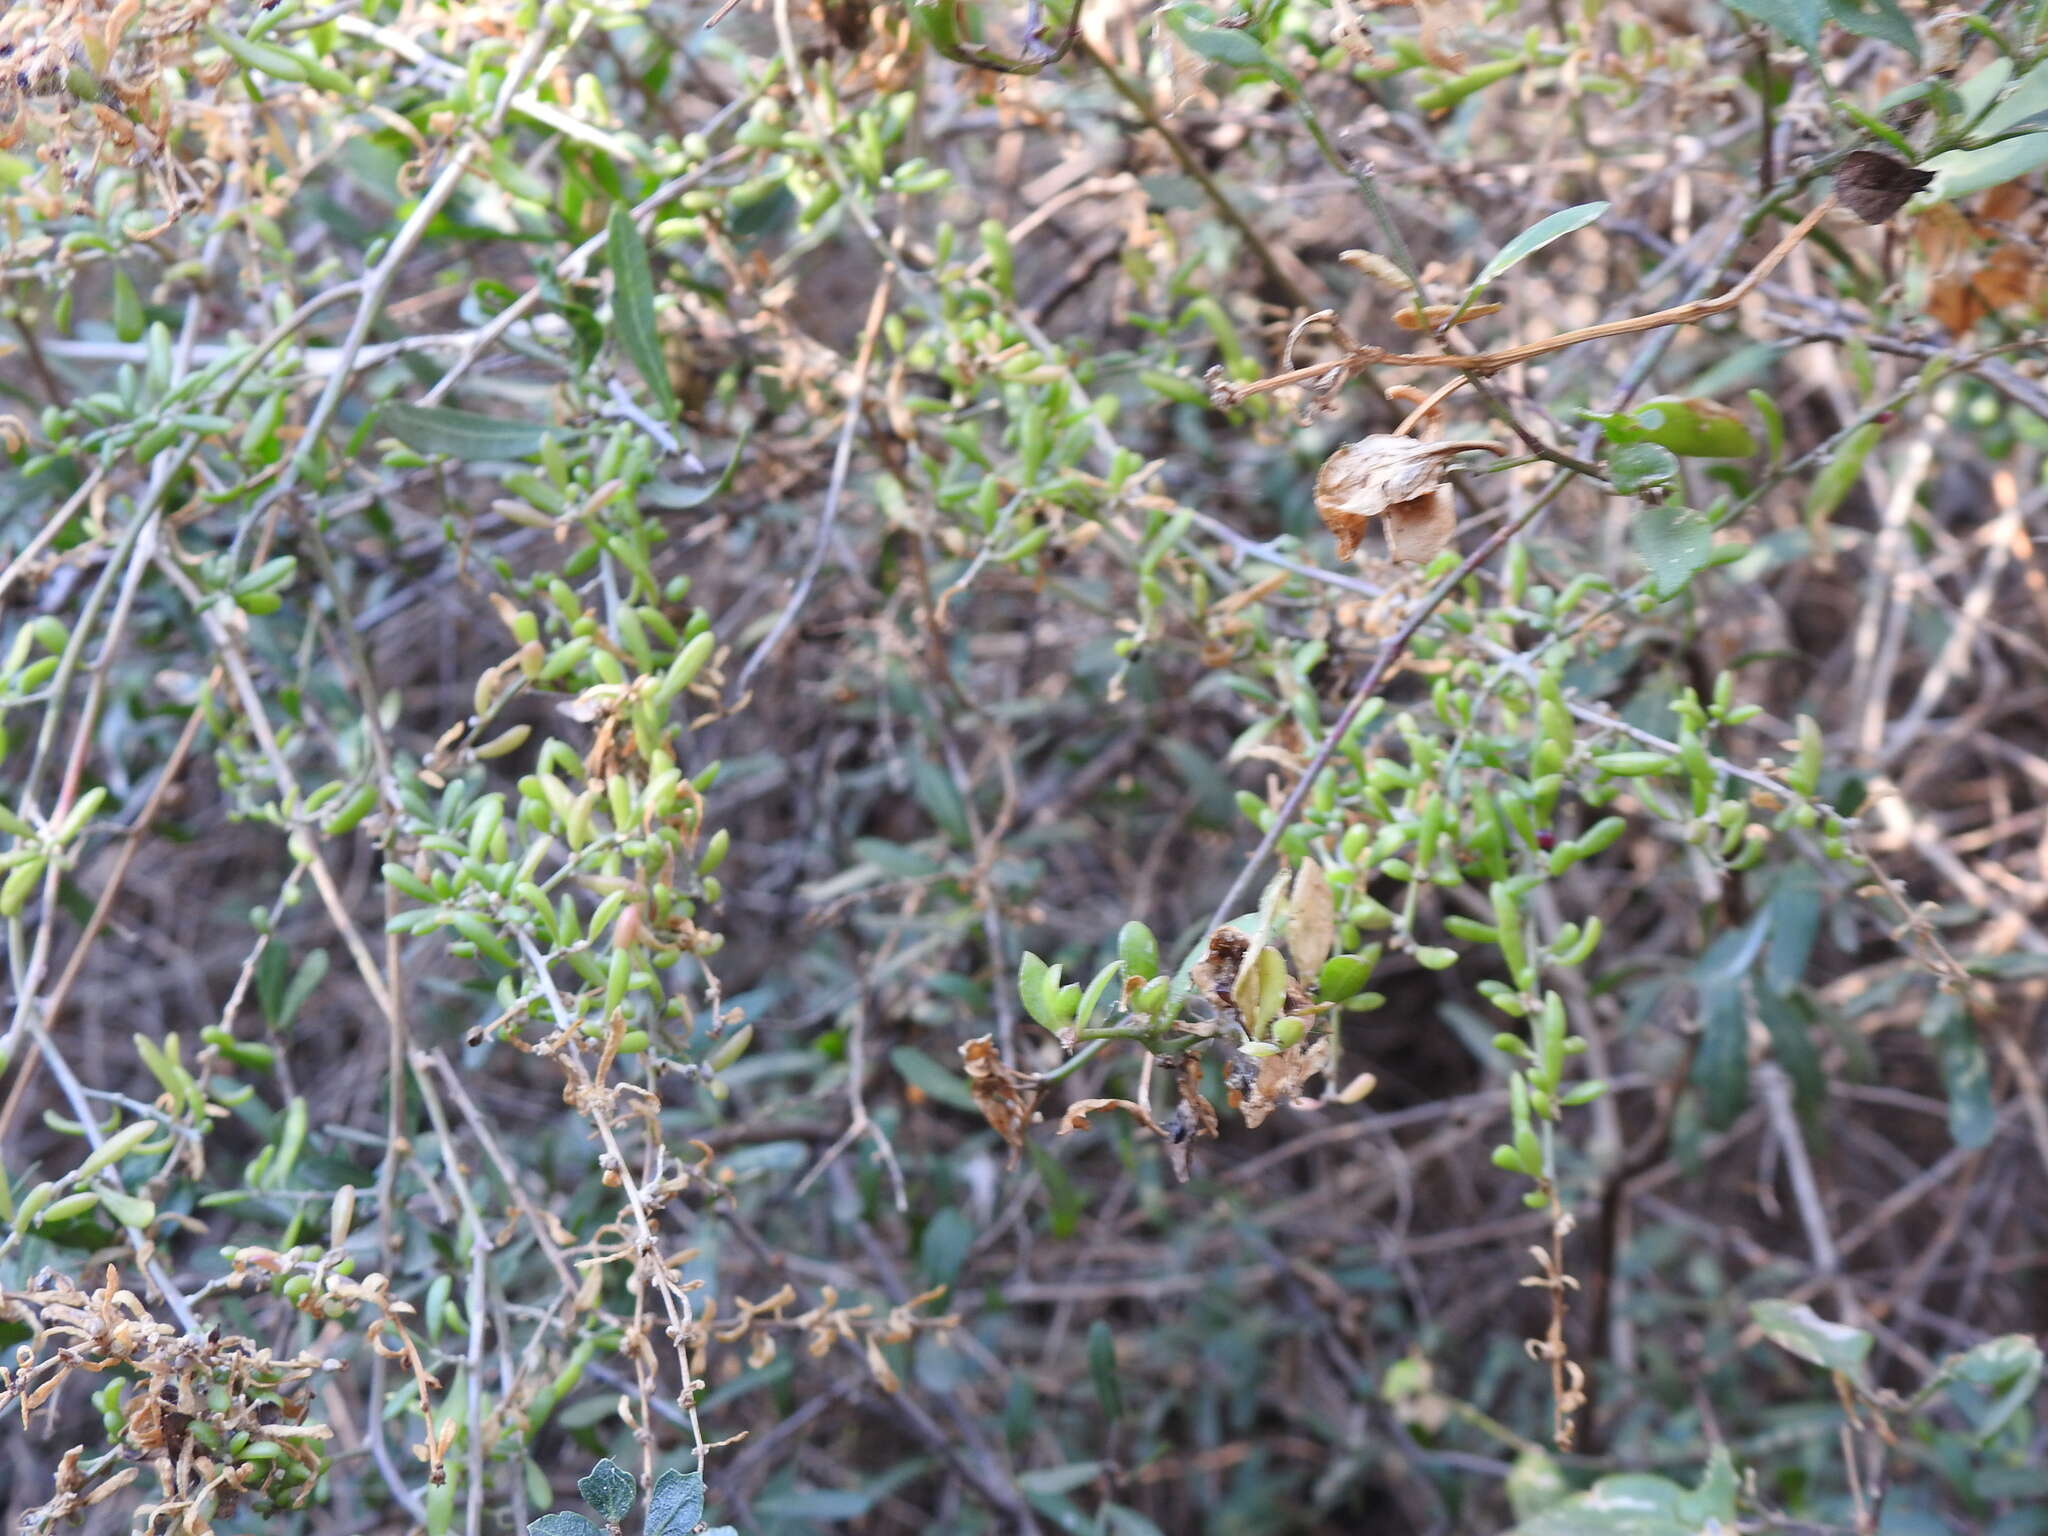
(1479, 364)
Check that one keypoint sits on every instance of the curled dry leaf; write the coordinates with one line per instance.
(1434, 315)
(1077, 1117)
(1006, 1097)
(1351, 35)
(1435, 38)
(1400, 478)
(1193, 1119)
(1874, 186)
(1261, 1084)
(1378, 268)
(1216, 972)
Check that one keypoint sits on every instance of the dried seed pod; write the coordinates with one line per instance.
(1396, 476)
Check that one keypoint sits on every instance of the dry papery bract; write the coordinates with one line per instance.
(188, 1396)
(1397, 478)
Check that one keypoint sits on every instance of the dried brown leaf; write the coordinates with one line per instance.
(1434, 315)
(1261, 1084)
(1311, 919)
(1077, 1117)
(1193, 1119)
(1418, 531)
(1005, 1096)
(1216, 973)
(1435, 38)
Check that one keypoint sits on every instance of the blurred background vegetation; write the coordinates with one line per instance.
(688, 781)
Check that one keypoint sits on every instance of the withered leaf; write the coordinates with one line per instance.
(1077, 1117)
(1006, 1097)
(1434, 315)
(1874, 186)
(1397, 476)
(1311, 919)
(1216, 974)
(1193, 1119)
(1261, 1084)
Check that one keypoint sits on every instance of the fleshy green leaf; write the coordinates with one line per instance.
(1694, 428)
(633, 306)
(460, 434)
(1537, 236)
(1796, 1327)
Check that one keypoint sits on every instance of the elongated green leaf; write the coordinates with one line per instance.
(460, 434)
(1788, 1021)
(1795, 1327)
(2027, 99)
(1220, 45)
(1839, 475)
(1792, 916)
(1102, 1369)
(1537, 236)
(1965, 1071)
(633, 306)
(1721, 1069)
(1961, 172)
(920, 1071)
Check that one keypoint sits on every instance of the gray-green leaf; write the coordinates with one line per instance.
(633, 306)
(1675, 542)
(1796, 1327)
(676, 1504)
(608, 1489)
(1537, 236)
(460, 434)
(562, 1522)
(1638, 467)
